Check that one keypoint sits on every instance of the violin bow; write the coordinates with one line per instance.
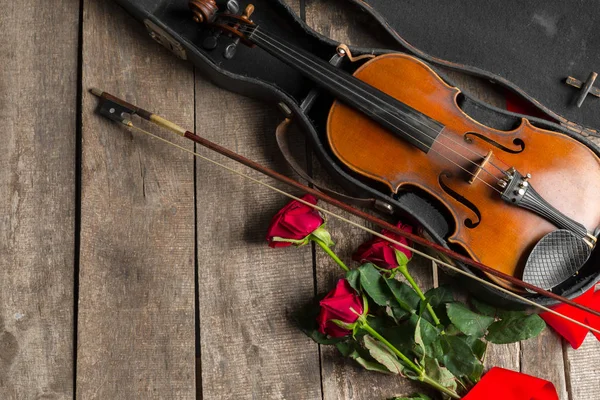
(119, 110)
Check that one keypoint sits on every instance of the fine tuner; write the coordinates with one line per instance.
(396, 122)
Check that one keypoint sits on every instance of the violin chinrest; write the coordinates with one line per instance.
(555, 258)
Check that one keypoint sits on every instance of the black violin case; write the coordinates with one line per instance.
(529, 48)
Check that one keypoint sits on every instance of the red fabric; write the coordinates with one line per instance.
(502, 384)
(294, 221)
(342, 303)
(576, 334)
(518, 105)
(381, 252)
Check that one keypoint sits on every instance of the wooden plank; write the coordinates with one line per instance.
(136, 335)
(583, 369)
(250, 346)
(543, 357)
(38, 101)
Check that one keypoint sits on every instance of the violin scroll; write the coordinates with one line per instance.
(204, 10)
(230, 21)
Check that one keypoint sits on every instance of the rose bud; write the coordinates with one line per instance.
(295, 222)
(383, 253)
(342, 304)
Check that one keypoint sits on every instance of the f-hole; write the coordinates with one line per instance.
(461, 199)
(517, 142)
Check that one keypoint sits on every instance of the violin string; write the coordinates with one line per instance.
(476, 177)
(364, 228)
(457, 142)
(267, 38)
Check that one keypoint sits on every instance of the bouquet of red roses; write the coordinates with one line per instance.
(390, 325)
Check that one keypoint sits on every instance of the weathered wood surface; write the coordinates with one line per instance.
(38, 98)
(136, 336)
(583, 369)
(148, 324)
(250, 346)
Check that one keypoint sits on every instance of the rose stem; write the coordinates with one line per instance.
(435, 384)
(331, 253)
(419, 370)
(393, 348)
(404, 271)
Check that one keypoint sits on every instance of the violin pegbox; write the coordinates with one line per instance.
(204, 11)
(229, 22)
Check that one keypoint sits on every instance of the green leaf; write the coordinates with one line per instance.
(353, 278)
(345, 348)
(429, 333)
(452, 330)
(515, 329)
(371, 365)
(456, 355)
(478, 346)
(320, 338)
(439, 295)
(402, 336)
(351, 351)
(419, 342)
(484, 308)
(416, 396)
(405, 296)
(397, 313)
(491, 311)
(374, 284)
(442, 375)
(382, 354)
(469, 323)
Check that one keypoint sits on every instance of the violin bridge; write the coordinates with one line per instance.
(480, 167)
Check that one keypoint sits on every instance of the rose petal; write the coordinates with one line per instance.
(381, 252)
(503, 384)
(573, 333)
(294, 221)
(337, 305)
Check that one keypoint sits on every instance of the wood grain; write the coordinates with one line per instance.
(38, 100)
(250, 346)
(248, 292)
(136, 306)
(583, 369)
(543, 357)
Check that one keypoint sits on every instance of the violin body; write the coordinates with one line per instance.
(490, 230)
(440, 215)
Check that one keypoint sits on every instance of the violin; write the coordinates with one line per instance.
(521, 201)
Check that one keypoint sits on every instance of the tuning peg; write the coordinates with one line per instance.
(211, 42)
(248, 12)
(233, 6)
(230, 50)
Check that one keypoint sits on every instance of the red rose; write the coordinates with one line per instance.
(381, 252)
(339, 304)
(295, 221)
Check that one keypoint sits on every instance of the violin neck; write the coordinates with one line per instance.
(402, 120)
